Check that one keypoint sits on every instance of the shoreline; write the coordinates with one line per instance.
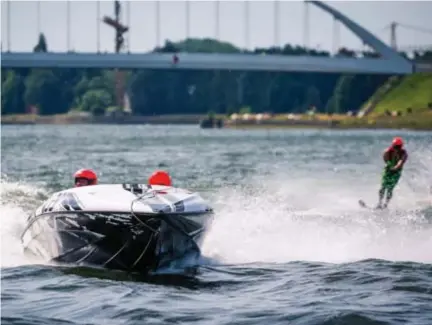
(421, 122)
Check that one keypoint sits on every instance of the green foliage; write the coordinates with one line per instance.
(157, 92)
(12, 93)
(211, 114)
(41, 45)
(245, 110)
(95, 101)
(44, 90)
(193, 45)
(413, 91)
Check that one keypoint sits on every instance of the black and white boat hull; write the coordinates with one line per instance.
(139, 240)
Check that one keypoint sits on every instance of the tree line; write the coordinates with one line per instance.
(158, 92)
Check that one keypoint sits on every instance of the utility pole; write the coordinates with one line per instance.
(120, 29)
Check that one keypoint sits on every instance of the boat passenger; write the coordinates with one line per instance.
(85, 177)
(160, 177)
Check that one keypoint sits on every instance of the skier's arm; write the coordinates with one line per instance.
(401, 161)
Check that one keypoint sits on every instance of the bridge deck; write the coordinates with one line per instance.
(204, 61)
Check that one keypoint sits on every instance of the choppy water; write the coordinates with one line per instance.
(289, 245)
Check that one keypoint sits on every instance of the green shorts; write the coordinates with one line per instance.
(390, 179)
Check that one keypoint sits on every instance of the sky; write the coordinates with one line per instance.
(24, 24)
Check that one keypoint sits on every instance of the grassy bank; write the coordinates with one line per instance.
(411, 92)
(418, 121)
(401, 103)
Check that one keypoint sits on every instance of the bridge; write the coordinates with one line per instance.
(389, 61)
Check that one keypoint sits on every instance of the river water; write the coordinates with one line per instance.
(289, 245)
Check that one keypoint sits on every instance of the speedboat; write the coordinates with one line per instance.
(130, 227)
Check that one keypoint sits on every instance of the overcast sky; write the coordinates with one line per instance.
(373, 15)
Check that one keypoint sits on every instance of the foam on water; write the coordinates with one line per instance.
(17, 201)
(303, 219)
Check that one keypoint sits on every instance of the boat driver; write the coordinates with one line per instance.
(85, 177)
(160, 177)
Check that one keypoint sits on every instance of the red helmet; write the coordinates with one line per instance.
(397, 142)
(87, 175)
(160, 177)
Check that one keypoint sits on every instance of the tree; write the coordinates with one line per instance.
(41, 45)
(44, 90)
(12, 94)
(96, 101)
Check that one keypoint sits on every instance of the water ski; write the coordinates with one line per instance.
(364, 205)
